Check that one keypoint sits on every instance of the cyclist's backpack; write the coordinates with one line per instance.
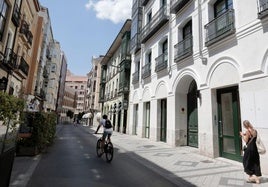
(108, 124)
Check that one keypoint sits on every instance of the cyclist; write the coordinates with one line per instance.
(107, 129)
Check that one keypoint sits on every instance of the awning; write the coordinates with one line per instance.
(87, 115)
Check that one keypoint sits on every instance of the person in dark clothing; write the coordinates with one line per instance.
(251, 158)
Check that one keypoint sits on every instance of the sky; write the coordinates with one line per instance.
(86, 28)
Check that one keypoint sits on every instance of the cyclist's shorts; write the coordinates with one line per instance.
(107, 132)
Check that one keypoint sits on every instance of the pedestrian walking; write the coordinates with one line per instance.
(251, 158)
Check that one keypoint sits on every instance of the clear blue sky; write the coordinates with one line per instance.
(86, 28)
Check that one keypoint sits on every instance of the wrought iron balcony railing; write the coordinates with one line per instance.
(23, 66)
(183, 49)
(146, 70)
(220, 27)
(161, 62)
(16, 15)
(10, 59)
(135, 77)
(262, 8)
(177, 5)
(158, 20)
(25, 30)
(126, 56)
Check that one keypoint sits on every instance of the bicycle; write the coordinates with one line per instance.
(108, 149)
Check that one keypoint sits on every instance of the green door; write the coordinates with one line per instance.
(229, 123)
(192, 117)
(147, 120)
(163, 120)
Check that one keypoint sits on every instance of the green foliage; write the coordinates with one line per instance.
(10, 107)
(43, 129)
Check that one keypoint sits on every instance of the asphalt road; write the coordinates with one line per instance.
(72, 162)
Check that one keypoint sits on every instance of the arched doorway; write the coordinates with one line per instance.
(192, 117)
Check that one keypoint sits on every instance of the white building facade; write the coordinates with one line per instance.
(199, 68)
(115, 79)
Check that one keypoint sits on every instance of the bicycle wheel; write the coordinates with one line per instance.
(98, 148)
(109, 152)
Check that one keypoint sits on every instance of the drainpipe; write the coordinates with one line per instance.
(204, 60)
(170, 44)
(141, 64)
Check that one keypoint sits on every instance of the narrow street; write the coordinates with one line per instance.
(72, 161)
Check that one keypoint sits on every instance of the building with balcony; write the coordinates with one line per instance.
(13, 68)
(63, 70)
(68, 104)
(93, 84)
(79, 84)
(200, 70)
(42, 72)
(115, 79)
(51, 84)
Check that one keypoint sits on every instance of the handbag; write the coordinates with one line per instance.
(260, 145)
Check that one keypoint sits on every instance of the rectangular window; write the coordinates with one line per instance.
(149, 17)
(3, 17)
(94, 86)
(149, 58)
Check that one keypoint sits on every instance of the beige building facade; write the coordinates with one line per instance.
(79, 84)
(93, 86)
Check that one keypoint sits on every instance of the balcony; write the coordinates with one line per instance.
(125, 59)
(10, 59)
(177, 5)
(262, 8)
(161, 62)
(16, 15)
(23, 68)
(124, 66)
(41, 94)
(45, 73)
(124, 86)
(220, 27)
(146, 70)
(144, 2)
(135, 43)
(27, 36)
(158, 20)
(135, 77)
(183, 49)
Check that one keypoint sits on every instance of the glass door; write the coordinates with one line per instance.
(229, 123)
